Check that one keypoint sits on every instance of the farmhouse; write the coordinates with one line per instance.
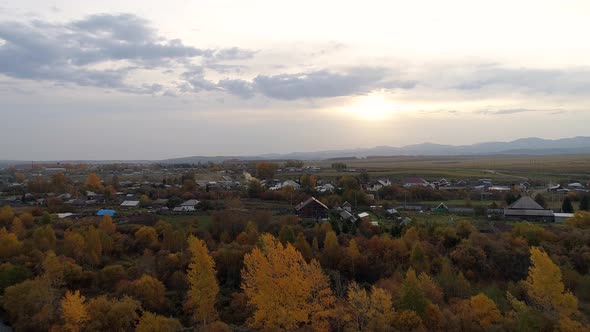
(410, 182)
(525, 208)
(312, 208)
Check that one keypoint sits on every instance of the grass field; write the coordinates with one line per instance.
(202, 220)
(498, 168)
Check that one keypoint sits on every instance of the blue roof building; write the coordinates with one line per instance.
(103, 212)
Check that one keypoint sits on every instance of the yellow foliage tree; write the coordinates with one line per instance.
(17, 228)
(9, 244)
(53, 269)
(93, 181)
(73, 311)
(107, 225)
(370, 312)
(477, 313)
(203, 287)
(286, 292)
(302, 245)
(381, 313)
(150, 322)
(359, 302)
(150, 291)
(545, 287)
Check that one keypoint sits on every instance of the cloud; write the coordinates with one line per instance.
(546, 81)
(519, 110)
(70, 52)
(234, 53)
(315, 84)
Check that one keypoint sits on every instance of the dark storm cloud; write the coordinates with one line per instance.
(545, 81)
(315, 84)
(64, 53)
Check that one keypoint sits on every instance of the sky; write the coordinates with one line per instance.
(162, 79)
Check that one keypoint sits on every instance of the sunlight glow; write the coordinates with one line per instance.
(372, 107)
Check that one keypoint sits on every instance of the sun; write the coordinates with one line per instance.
(372, 107)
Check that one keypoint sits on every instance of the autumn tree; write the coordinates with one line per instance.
(150, 322)
(430, 289)
(308, 182)
(303, 247)
(359, 303)
(73, 311)
(331, 252)
(580, 220)
(112, 314)
(370, 312)
(6, 215)
(107, 225)
(407, 320)
(9, 244)
(17, 228)
(286, 292)
(266, 170)
(53, 269)
(30, 305)
(203, 287)
(93, 246)
(381, 314)
(545, 287)
(27, 219)
(477, 313)
(353, 254)
(147, 237)
(411, 296)
(418, 258)
(144, 201)
(93, 182)
(74, 244)
(150, 291)
(44, 238)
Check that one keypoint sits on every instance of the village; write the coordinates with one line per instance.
(331, 192)
(133, 237)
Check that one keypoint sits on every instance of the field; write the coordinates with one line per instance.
(546, 169)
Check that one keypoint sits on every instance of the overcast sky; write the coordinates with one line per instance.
(159, 79)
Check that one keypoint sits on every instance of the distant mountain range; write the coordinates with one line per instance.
(524, 146)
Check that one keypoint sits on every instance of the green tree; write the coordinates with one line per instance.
(44, 238)
(540, 199)
(585, 203)
(31, 305)
(418, 258)
(566, 206)
(411, 295)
